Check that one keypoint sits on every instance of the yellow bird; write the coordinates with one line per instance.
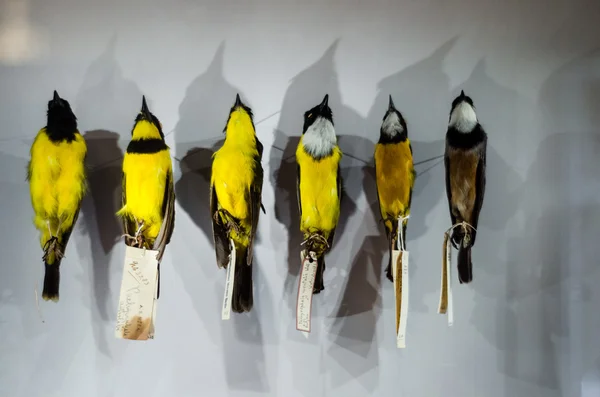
(395, 176)
(319, 184)
(57, 184)
(148, 194)
(235, 200)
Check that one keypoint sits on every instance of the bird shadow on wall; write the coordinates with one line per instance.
(419, 91)
(198, 134)
(305, 91)
(551, 270)
(22, 268)
(106, 105)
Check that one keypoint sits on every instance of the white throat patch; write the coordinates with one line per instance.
(391, 125)
(463, 118)
(319, 139)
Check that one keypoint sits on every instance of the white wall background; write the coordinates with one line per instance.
(527, 325)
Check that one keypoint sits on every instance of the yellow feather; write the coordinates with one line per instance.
(318, 191)
(56, 182)
(233, 171)
(395, 178)
(145, 183)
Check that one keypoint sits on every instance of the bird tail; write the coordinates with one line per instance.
(319, 285)
(465, 266)
(392, 233)
(243, 298)
(51, 280)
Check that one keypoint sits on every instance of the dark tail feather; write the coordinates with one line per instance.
(465, 266)
(51, 281)
(243, 298)
(392, 240)
(319, 286)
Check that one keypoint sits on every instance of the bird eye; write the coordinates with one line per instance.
(310, 115)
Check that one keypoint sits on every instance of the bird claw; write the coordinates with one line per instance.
(52, 245)
(231, 223)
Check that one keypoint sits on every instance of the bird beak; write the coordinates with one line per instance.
(462, 93)
(56, 99)
(238, 101)
(391, 104)
(324, 103)
(145, 111)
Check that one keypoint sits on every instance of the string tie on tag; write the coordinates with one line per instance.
(316, 236)
(401, 243)
(463, 224)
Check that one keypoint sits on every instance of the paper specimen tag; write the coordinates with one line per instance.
(226, 311)
(449, 285)
(305, 291)
(137, 299)
(445, 306)
(400, 273)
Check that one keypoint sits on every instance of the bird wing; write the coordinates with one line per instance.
(222, 248)
(129, 226)
(255, 198)
(339, 193)
(168, 215)
(298, 192)
(414, 175)
(480, 181)
(448, 186)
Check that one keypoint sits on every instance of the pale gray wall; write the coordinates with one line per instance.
(528, 324)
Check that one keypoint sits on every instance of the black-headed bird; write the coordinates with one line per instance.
(235, 200)
(395, 177)
(147, 183)
(57, 184)
(465, 163)
(319, 185)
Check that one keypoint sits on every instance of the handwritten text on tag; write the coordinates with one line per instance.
(305, 291)
(137, 299)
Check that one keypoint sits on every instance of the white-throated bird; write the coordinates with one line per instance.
(319, 184)
(465, 163)
(395, 176)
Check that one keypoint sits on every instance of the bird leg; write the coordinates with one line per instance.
(231, 222)
(309, 242)
(138, 238)
(49, 228)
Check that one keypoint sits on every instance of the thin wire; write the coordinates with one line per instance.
(429, 159)
(424, 171)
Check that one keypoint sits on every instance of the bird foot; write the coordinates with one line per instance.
(53, 246)
(231, 223)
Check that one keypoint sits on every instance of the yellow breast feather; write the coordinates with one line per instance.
(57, 180)
(395, 178)
(145, 184)
(233, 167)
(318, 191)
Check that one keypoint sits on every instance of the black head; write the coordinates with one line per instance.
(393, 127)
(61, 123)
(322, 110)
(461, 98)
(146, 115)
(240, 105)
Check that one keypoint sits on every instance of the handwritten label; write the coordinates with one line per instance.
(305, 291)
(449, 309)
(400, 271)
(226, 311)
(137, 299)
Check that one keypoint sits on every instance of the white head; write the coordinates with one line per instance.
(319, 139)
(463, 117)
(319, 134)
(393, 123)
